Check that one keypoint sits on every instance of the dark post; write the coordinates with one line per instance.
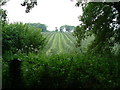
(15, 73)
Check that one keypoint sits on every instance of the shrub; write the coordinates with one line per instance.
(19, 37)
(68, 71)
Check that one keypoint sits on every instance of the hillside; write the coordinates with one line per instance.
(58, 42)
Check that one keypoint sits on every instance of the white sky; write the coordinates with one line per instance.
(53, 13)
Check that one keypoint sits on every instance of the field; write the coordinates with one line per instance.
(63, 42)
(59, 42)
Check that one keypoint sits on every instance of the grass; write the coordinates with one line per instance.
(59, 42)
(64, 43)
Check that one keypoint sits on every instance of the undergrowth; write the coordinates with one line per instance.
(66, 71)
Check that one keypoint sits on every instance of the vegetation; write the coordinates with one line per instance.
(3, 2)
(29, 5)
(35, 59)
(67, 28)
(102, 21)
(38, 25)
(21, 38)
(66, 71)
(59, 43)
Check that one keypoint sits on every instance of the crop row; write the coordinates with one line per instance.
(59, 42)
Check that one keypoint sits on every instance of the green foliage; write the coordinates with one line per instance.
(102, 21)
(38, 25)
(63, 70)
(3, 2)
(59, 42)
(67, 71)
(3, 13)
(68, 28)
(20, 38)
(3, 17)
(29, 5)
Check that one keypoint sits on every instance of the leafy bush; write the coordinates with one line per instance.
(19, 37)
(68, 71)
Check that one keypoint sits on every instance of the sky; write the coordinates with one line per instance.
(53, 13)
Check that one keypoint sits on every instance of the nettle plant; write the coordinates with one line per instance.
(21, 38)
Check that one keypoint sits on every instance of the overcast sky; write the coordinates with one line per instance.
(53, 13)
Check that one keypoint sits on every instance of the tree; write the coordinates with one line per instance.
(28, 5)
(68, 28)
(102, 20)
(39, 25)
(56, 29)
(61, 30)
(3, 13)
(3, 2)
